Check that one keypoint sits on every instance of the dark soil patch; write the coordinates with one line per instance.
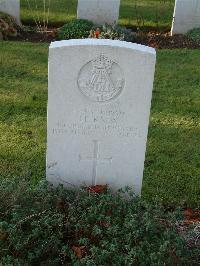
(152, 39)
(165, 41)
(36, 37)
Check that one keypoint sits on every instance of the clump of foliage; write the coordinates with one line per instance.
(8, 27)
(194, 34)
(112, 32)
(75, 29)
(45, 226)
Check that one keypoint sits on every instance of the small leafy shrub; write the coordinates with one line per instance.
(113, 32)
(40, 225)
(194, 34)
(8, 27)
(75, 29)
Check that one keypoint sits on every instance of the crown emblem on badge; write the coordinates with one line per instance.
(102, 62)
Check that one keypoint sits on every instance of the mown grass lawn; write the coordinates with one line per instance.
(146, 13)
(172, 167)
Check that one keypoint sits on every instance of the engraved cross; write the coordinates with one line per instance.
(96, 160)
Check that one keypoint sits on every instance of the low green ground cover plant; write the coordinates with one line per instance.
(75, 29)
(45, 226)
(194, 34)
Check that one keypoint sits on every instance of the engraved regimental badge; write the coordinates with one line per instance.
(101, 79)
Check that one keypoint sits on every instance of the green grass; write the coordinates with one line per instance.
(151, 13)
(172, 167)
(23, 97)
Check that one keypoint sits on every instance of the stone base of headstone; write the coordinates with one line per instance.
(99, 11)
(12, 8)
(186, 16)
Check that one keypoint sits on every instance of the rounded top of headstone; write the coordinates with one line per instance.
(103, 42)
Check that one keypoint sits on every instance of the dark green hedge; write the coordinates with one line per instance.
(75, 29)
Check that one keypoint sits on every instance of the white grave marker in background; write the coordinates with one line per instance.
(99, 11)
(11, 7)
(99, 100)
(186, 16)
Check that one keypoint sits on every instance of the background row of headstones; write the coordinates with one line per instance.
(186, 12)
(11, 7)
(186, 16)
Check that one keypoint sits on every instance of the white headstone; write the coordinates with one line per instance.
(99, 99)
(11, 7)
(186, 16)
(99, 11)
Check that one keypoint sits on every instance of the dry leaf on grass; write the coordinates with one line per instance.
(97, 188)
(79, 251)
(191, 216)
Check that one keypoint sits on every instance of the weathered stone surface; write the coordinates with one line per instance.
(186, 16)
(99, 11)
(11, 7)
(98, 112)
